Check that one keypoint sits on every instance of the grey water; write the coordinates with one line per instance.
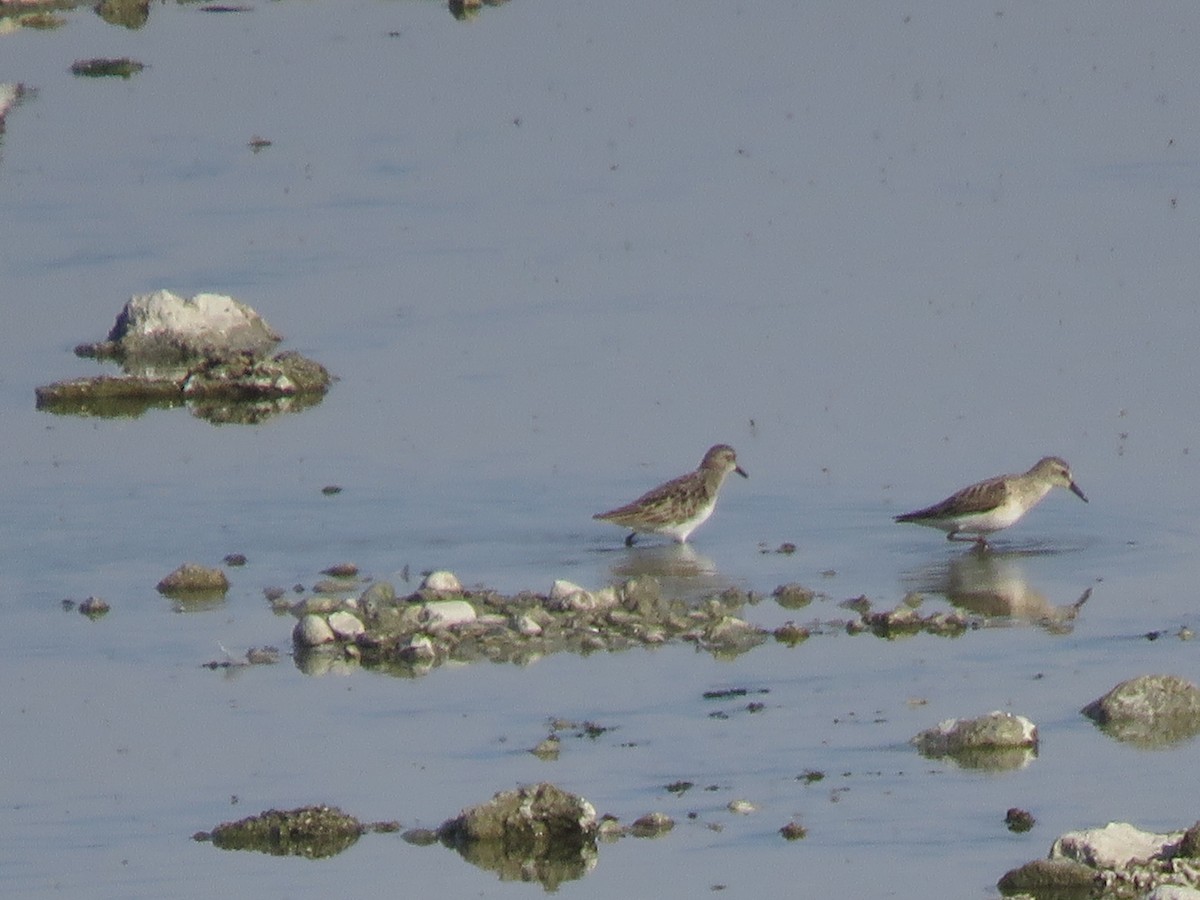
(553, 253)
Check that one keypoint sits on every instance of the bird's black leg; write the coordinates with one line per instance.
(629, 540)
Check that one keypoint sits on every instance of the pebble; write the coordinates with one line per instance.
(447, 613)
(312, 631)
(443, 582)
(346, 625)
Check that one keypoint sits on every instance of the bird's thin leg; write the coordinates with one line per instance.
(629, 540)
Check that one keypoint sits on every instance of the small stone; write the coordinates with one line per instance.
(547, 749)
(235, 559)
(527, 626)
(191, 578)
(341, 570)
(793, 596)
(345, 625)
(447, 613)
(793, 831)
(652, 825)
(419, 649)
(312, 631)
(443, 582)
(262, 656)
(1018, 820)
(1047, 875)
(94, 607)
(742, 807)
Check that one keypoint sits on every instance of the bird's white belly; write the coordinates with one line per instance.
(680, 530)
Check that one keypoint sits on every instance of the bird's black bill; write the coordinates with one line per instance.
(741, 472)
(1077, 492)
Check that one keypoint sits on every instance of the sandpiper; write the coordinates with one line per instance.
(680, 506)
(996, 503)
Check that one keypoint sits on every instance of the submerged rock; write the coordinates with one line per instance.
(208, 350)
(998, 740)
(191, 579)
(1043, 876)
(315, 832)
(539, 831)
(1115, 862)
(1151, 710)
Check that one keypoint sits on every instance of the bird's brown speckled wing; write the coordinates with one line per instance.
(660, 505)
(977, 498)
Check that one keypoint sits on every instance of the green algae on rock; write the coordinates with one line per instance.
(315, 832)
(1149, 711)
(208, 351)
(106, 67)
(537, 831)
(193, 580)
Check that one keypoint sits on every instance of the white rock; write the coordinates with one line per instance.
(994, 731)
(528, 626)
(562, 589)
(419, 649)
(742, 807)
(1114, 846)
(346, 625)
(442, 581)
(9, 93)
(1173, 892)
(447, 613)
(198, 321)
(312, 631)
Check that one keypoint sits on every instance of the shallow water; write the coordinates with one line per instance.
(553, 254)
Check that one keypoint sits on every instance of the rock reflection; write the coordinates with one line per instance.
(678, 568)
(994, 585)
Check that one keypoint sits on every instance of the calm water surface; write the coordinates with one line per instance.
(553, 254)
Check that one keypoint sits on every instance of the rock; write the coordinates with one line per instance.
(793, 831)
(536, 816)
(341, 570)
(316, 832)
(442, 582)
(995, 731)
(1152, 710)
(793, 596)
(566, 595)
(163, 327)
(741, 807)
(345, 625)
(419, 649)
(312, 631)
(94, 607)
(1189, 847)
(1046, 875)
(191, 578)
(1019, 820)
(1115, 846)
(1173, 892)
(9, 94)
(652, 824)
(539, 832)
(527, 626)
(447, 613)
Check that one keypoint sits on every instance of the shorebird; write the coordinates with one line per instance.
(680, 506)
(996, 503)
